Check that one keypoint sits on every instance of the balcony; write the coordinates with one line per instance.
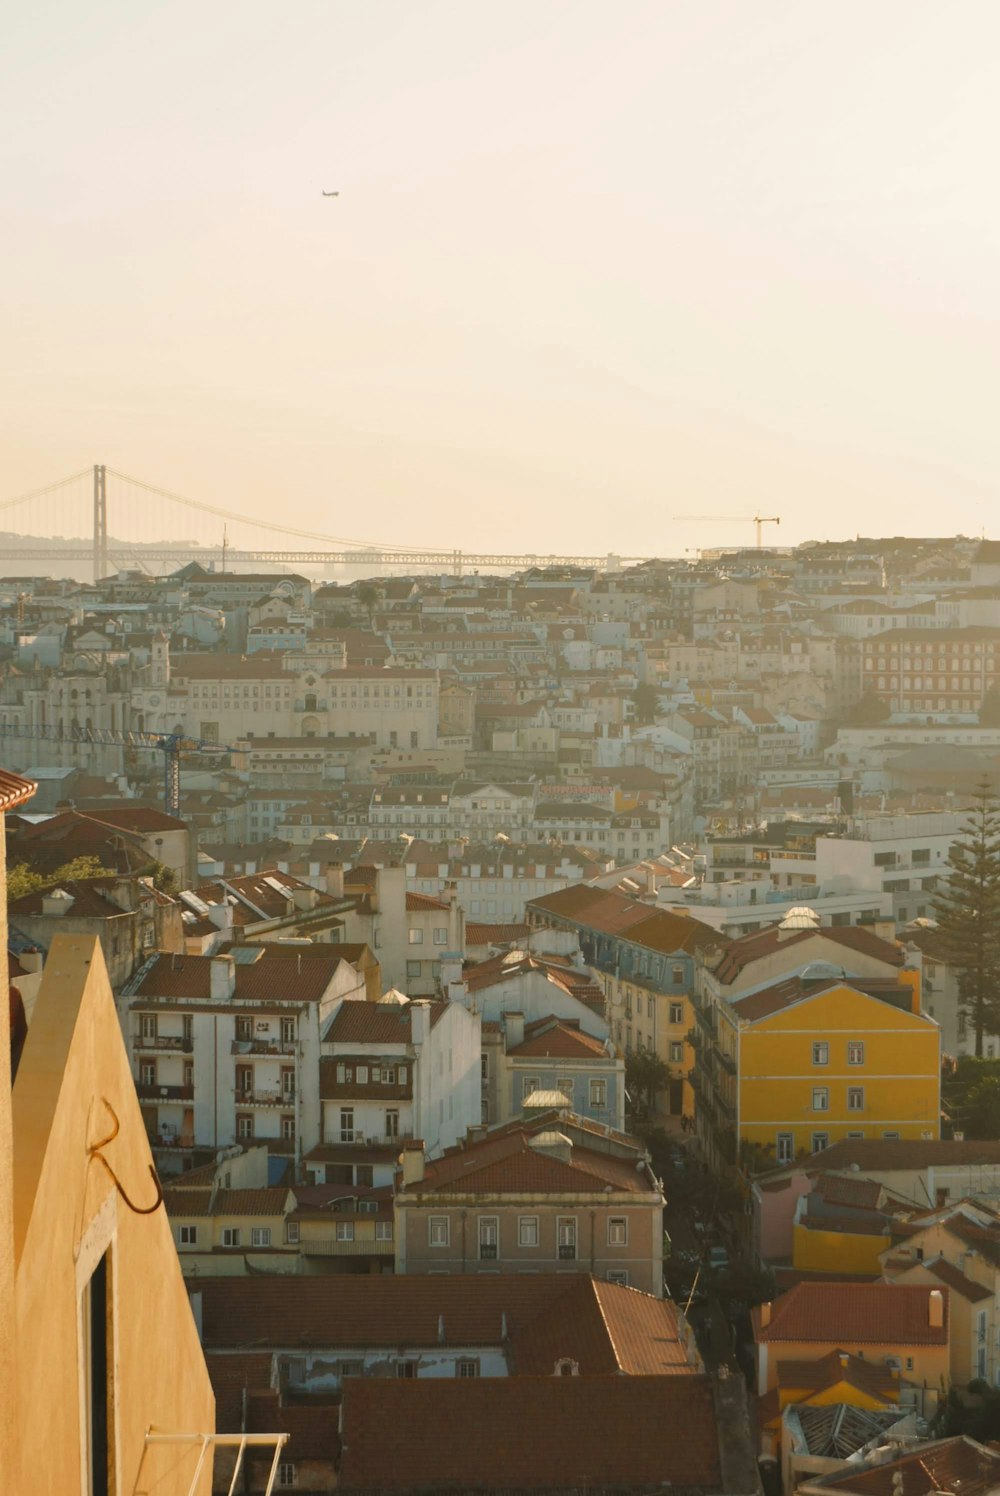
(705, 1018)
(567, 1253)
(727, 1061)
(488, 1251)
(148, 1092)
(263, 1046)
(264, 1098)
(328, 1246)
(372, 1140)
(174, 1043)
(180, 1140)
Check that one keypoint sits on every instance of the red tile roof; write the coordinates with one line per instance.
(960, 1466)
(421, 903)
(839, 1366)
(232, 1373)
(555, 1433)
(14, 790)
(376, 1023)
(558, 1041)
(858, 1313)
(507, 1163)
(762, 943)
(272, 978)
(477, 934)
(785, 994)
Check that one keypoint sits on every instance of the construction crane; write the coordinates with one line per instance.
(170, 744)
(759, 520)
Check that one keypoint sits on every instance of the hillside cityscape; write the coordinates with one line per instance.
(514, 995)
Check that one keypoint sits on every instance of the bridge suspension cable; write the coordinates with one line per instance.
(39, 493)
(264, 524)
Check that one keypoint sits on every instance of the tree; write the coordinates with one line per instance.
(869, 711)
(23, 879)
(368, 596)
(967, 909)
(981, 1116)
(646, 700)
(645, 1074)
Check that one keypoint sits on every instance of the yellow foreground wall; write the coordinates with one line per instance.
(73, 1079)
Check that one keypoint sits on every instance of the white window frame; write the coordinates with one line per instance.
(824, 1144)
(821, 1052)
(598, 1093)
(528, 1227)
(617, 1231)
(618, 1275)
(784, 1151)
(821, 1099)
(855, 1051)
(292, 1233)
(488, 1226)
(345, 1230)
(231, 1236)
(260, 1236)
(288, 1476)
(855, 1098)
(438, 1231)
(187, 1236)
(383, 1231)
(414, 937)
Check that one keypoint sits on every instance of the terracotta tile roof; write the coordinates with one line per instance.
(545, 1433)
(905, 1154)
(792, 990)
(477, 934)
(375, 1023)
(188, 1202)
(314, 1429)
(215, 666)
(252, 1202)
(839, 1366)
(377, 1311)
(89, 901)
(418, 903)
(860, 1313)
(615, 914)
(959, 1465)
(558, 1040)
(956, 1279)
(231, 1373)
(272, 978)
(507, 1163)
(137, 818)
(762, 943)
(861, 1194)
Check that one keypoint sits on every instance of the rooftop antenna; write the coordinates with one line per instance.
(225, 545)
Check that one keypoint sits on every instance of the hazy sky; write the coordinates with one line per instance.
(595, 263)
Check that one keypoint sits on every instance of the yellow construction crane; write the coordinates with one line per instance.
(759, 520)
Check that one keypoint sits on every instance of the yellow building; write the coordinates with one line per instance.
(805, 1062)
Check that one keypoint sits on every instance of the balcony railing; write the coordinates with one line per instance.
(265, 1098)
(567, 1253)
(149, 1092)
(171, 1140)
(727, 1061)
(328, 1246)
(182, 1044)
(371, 1139)
(487, 1251)
(263, 1046)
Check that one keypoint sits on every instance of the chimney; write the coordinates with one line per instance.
(335, 881)
(305, 899)
(513, 1030)
(223, 978)
(31, 959)
(935, 1309)
(413, 1165)
(420, 1022)
(57, 902)
(765, 1315)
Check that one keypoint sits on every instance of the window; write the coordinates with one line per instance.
(287, 1476)
(855, 1098)
(244, 1080)
(244, 1029)
(529, 1083)
(389, 1076)
(820, 1140)
(361, 1075)
(599, 1093)
(676, 1053)
(785, 1149)
(527, 1231)
(244, 1125)
(292, 1233)
(347, 1124)
(406, 1368)
(147, 1073)
(677, 975)
(618, 1275)
(440, 934)
(392, 1123)
(489, 1238)
(187, 1236)
(383, 1231)
(467, 1367)
(821, 1099)
(821, 1053)
(288, 1031)
(676, 1012)
(890, 1137)
(855, 1052)
(617, 1231)
(288, 1082)
(150, 1023)
(438, 1231)
(413, 968)
(415, 937)
(230, 1236)
(345, 1230)
(260, 1236)
(566, 1236)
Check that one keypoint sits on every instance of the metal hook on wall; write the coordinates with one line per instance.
(94, 1151)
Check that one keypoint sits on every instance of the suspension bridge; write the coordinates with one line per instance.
(83, 505)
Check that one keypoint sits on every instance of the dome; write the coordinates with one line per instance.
(800, 918)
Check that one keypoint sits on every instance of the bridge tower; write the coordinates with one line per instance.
(100, 521)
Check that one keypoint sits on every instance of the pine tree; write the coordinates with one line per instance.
(967, 909)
